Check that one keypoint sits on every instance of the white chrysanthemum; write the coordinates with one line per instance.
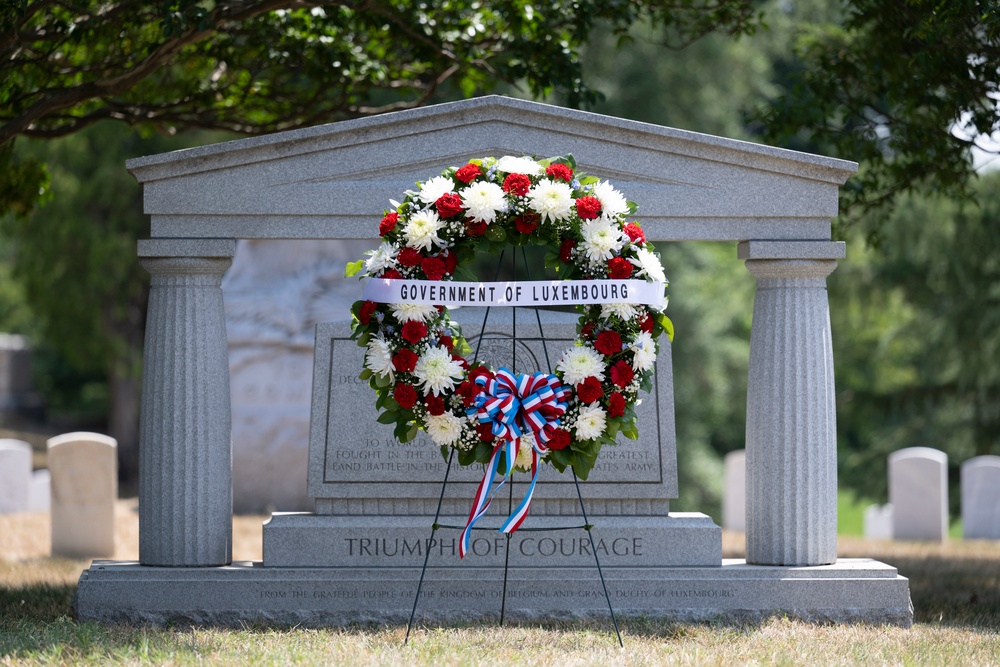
(590, 422)
(483, 200)
(523, 459)
(649, 264)
(444, 429)
(432, 190)
(579, 363)
(378, 359)
(437, 371)
(601, 239)
(422, 230)
(552, 200)
(625, 311)
(645, 351)
(405, 312)
(613, 202)
(383, 257)
(519, 165)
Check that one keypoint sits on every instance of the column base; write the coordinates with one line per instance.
(851, 590)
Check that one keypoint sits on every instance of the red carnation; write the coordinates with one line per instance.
(485, 432)
(646, 323)
(616, 404)
(558, 439)
(467, 390)
(608, 343)
(565, 249)
(409, 256)
(447, 342)
(391, 274)
(448, 205)
(405, 395)
(619, 267)
(435, 405)
(366, 311)
(589, 390)
(519, 184)
(413, 332)
(588, 208)
(559, 172)
(468, 173)
(622, 374)
(433, 268)
(475, 227)
(388, 223)
(404, 361)
(450, 261)
(527, 223)
(634, 232)
(588, 329)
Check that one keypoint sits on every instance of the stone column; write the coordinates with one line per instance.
(185, 450)
(791, 445)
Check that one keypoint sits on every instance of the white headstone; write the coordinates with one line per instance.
(981, 498)
(878, 522)
(275, 294)
(40, 495)
(15, 475)
(734, 492)
(84, 491)
(918, 492)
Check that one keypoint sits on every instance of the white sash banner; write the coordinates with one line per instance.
(515, 293)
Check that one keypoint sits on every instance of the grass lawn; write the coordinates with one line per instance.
(955, 589)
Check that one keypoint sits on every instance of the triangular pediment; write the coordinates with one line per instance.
(333, 181)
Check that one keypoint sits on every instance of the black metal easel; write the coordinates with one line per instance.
(587, 526)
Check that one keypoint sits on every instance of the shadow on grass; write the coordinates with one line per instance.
(953, 592)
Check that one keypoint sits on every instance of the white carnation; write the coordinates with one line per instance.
(437, 371)
(380, 259)
(444, 429)
(378, 359)
(644, 348)
(483, 200)
(579, 363)
(649, 264)
(625, 311)
(552, 200)
(590, 422)
(601, 239)
(519, 165)
(422, 230)
(613, 202)
(432, 190)
(405, 312)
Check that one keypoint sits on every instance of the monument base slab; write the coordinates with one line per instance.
(851, 590)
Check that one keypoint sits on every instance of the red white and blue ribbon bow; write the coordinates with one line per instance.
(514, 406)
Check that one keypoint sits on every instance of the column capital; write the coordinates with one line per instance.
(150, 248)
(791, 250)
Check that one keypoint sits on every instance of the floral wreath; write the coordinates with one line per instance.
(414, 351)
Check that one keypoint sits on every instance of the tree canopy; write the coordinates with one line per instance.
(261, 66)
(905, 88)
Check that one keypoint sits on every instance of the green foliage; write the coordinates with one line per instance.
(904, 88)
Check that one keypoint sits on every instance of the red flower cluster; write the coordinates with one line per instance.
(634, 232)
(559, 439)
(409, 256)
(404, 361)
(527, 223)
(405, 395)
(608, 342)
(565, 248)
(559, 172)
(622, 374)
(366, 311)
(588, 208)
(619, 268)
(433, 267)
(448, 204)
(475, 227)
(413, 332)
(469, 173)
(616, 405)
(519, 184)
(388, 223)
(589, 390)
(391, 274)
(434, 404)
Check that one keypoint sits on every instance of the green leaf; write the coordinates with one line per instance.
(382, 381)
(353, 267)
(588, 180)
(387, 418)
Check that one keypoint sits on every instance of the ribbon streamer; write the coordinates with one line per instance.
(514, 406)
